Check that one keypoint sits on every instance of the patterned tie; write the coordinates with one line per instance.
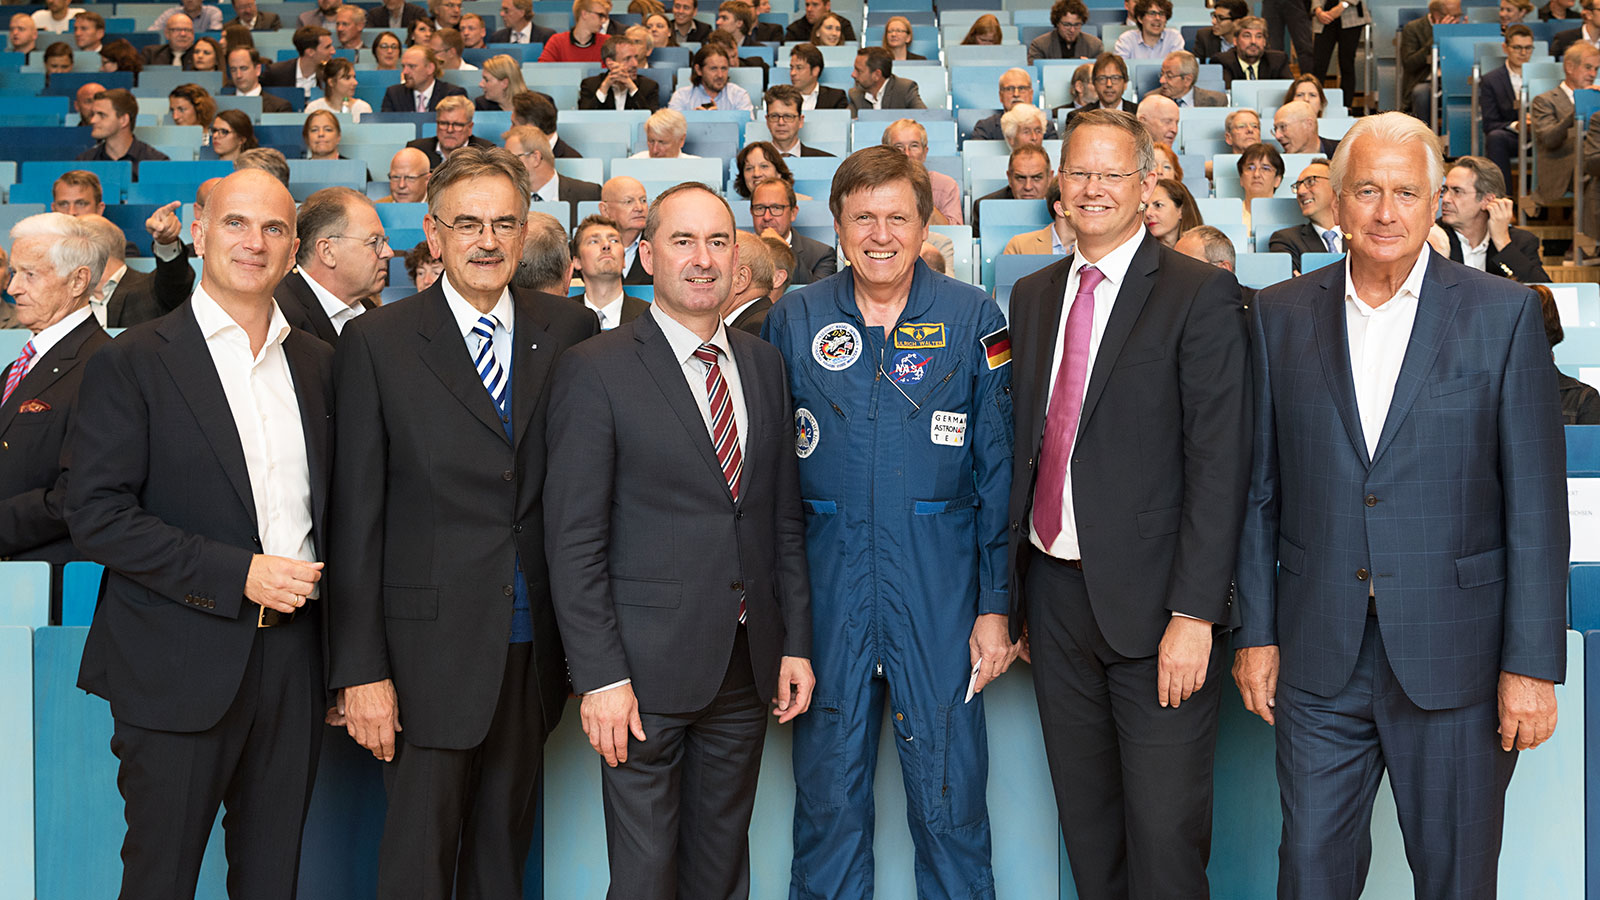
(724, 430)
(1061, 421)
(1331, 238)
(1250, 71)
(494, 377)
(19, 371)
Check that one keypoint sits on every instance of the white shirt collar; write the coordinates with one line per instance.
(214, 320)
(610, 314)
(683, 341)
(731, 317)
(339, 312)
(550, 190)
(45, 340)
(1412, 286)
(253, 92)
(467, 315)
(1114, 265)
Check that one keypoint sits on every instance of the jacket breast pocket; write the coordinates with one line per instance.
(658, 592)
(402, 601)
(1157, 522)
(1457, 385)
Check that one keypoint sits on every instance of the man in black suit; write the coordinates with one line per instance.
(624, 201)
(246, 13)
(179, 32)
(1499, 107)
(244, 70)
(1319, 234)
(517, 17)
(749, 301)
(343, 260)
(532, 146)
(419, 81)
(313, 46)
(621, 87)
(677, 561)
(537, 109)
(1110, 81)
(124, 297)
(596, 254)
(1476, 215)
(805, 68)
(1250, 59)
(688, 29)
(1589, 31)
(452, 119)
(1028, 177)
(773, 209)
(1212, 245)
(444, 621)
(1121, 561)
(395, 14)
(1015, 86)
(202, 488)
(799, 31)
(766, 32)
(39, 390)
(1218, 37)
(785, 117)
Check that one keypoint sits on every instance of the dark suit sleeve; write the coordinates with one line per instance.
(172, 282)
(388, 102)
(1497, 113)
(649, 96)
(1256, 576)
(794, 577)
(1280, 243)
(579, 485)
(1521, 256)
(104, 489)
(988, 129)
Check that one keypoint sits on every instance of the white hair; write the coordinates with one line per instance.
(1389, 129)
(1016, 116)
(72, 243)
(666, 124)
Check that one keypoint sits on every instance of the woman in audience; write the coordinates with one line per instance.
(1172, 211)
(1513, 12)
(757, 162)
(1308, 89)
(322, 134)
(423, 267)
(661, 33)
(206, 56)
(1023, 123)
(420, 34)
(1167, 165)
(386, 51)
(1580, 403)
(1260, 173)
(501, 80)
(120, 56)
(338, 80)
(829, 32)
(985, 31)
(58, 58)
(232, 134)
(191, 104)
(897, 38)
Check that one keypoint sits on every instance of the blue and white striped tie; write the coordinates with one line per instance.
(488, 366)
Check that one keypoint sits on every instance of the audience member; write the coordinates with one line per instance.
(545, 184)
(621, 86)
(1167, 163)
(120, 56)
(1416, 55)
(348, 23)
(686, 29)
(179, 32)
(1588, 30)
(585, 39)
(1028, 177)
(664, 134)
(1015, 86)
(408, 176)
(876, 85)
(1217, 38)
(386, 50)
(517, 25)
(597, 255)
(537, 109)
(244, 71)
(447, 45)
(424, 266)
(123, 297)
(1499, 99)
(343, 259)
(758, 161)
(748, 303)
(909, 137)
(1057, 238)
(191, 104)
(420, 34)
(1179, 71)
(1250, 59)
(1110, 81)
(1294, 127)
(111, 126)
(58, 58)
(1152, 39)
(1513, 12)
(474, 34)
(799, 31)
(1171, 212)
(1159, 115)
(268, 159)
(420, 89)
(89, 31)
(773, 208)
(737, 19)
(500, 82)
(232, 133)
(897, 37)
(313, 47)
(24, 35)
(1318, 234)
(1580, 403)
(57, 16)
(248, 14)
(321, 135)
(206, 55)
(1210, 244)
(984, 31)
(453, 130)
(805, 68)
(1022, 124)
(1551, 115)
(1475, 211)
(709, 87)
(339, 84)
(1260, 172)
(546, 256)
(83, 101)
(1066, 38)
(785, 118)
(623, 200)
(1081, 87)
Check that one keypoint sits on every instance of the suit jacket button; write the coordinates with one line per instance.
(1016, 526)
(508, 590)
(1361, 574)
(506, 475)
(1372, 499)
(738, 515)
(1030, 462)
(516, 529)
(736, 586)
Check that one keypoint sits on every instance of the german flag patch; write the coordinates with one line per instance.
(997, 348)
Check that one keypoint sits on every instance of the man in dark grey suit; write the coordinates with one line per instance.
(677, 561)
(1016, 86)
(125, 297)
(1066, 38)
(1319, 233)
(343, 259)
(532, 146)
(246, 13)
(877, 87)
(1178, 74)
(773, 208)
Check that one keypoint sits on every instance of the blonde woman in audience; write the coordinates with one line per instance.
(1171, 212)
(829, 32)
(897, 38)
(338, 80)
(1167, 165)
(1023, 123)
(501, 80)
(664, 134)
(191, 104)
(985, 32)
(1514, 12)
(386, 50)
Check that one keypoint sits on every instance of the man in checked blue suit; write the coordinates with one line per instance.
(1402, 569)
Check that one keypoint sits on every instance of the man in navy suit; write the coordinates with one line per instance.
(419, 80)
(1498, 105)
(1402, 571)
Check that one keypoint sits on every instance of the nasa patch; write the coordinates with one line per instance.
(836, 347)
(909, 367)
(806, 433)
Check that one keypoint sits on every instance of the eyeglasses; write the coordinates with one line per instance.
(406, 179)
(1260, 168)
(768, 209)
(785, 118)
(907, 148)
(452, 126)
(1308, 182)
(376, 243)
(1109, 179)
(1069, 25)
(1110, 79)
(1016, 89)
(1220, 17)
(473, 228)
(217, 131)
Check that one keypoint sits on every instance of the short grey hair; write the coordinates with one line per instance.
(1017, 115)
(1187, 64)
(478, 162)
(324, 213)
(1227, 124)
(72, 243)
(1218, 246)
(1144, 147)
(546, 260)
(753, 253)
(267, 160)
(898, 124)
(666, 124)
(1390, 128)
(108, 235)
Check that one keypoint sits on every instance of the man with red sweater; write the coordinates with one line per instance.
(583, 42)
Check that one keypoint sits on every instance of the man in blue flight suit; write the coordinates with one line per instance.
(902, 402)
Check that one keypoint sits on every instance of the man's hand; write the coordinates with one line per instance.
(163, 224)
(1500, 210)
(1255, 671)
(795, 684)
(1527, 711)
(615, 80)
(1181, 662)
(335, 714)
(990, 642)
(1024, 649)
(608, 717)
(280, 583)
(372, 716)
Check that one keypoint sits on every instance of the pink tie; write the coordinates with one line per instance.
(1061, 421)
(18, 371)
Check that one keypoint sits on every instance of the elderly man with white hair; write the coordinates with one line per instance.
(1159, 113)
(1024, 123)
(1016, 86)
(57, 264)
(1294, 126)
(1179, 71)
(664, 134)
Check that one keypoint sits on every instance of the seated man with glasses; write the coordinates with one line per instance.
(785, 117)
(1066, 38)
(342, 263)
(1110, 82)
(1475, 213)
(1218, 37)
(453, 121)
(1318, 234)
(1016, 86)
(408, 177)
(1250, 59)
(773, 209)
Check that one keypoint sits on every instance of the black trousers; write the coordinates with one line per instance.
(1347, 40)
(259, 763)
(678, 811)
(1295, 15)
(460, 822)
(1132, 780)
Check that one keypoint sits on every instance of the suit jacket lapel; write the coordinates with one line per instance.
(445, 354)
(1045, 331)
(1436, 310)
(532, 353)
(314, 421)
(1333, 348)
(188, 360)
(49, 369)
(659, 361)
(300, 290)
(1136, 286)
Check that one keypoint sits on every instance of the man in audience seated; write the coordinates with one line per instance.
(1160, 116)
(783, 264)
(737, 19)
(78, 193)
(546, 185)
(1178, 73)
(447, 45)
(1209, 244)
(204, 18)
(709, 87)
(908, 136)
(597, 256)
(420, 89)
(664, 134)
(111, 125)
(1057, 238)
(1028, 177)
(877, 87)
(1250, 59)
(1110, 82)
(805, 67)
(408, 177)
(343, 259)
(1066, 38)
(1294, 126)
(474, 34)
(1314, 191)
(1476, 216)
(57, 264)
(688, 29)
(247, 13)
(546, 256)
(58, 58)
(397, 15)
(57, 16)
(1499, 100)
(244, 70)
(268, 159)
(322, 16)
(1217, 38)
(175, 52)
(89, 31)
(313, 45)
(453, 130)
(623, 200)
(24, 35)
(747, 305)
(516, 19)
(621, 87)
(1016, 86)
(347, 25)
(537, 109)
(124, 297)
(785, 117)
(1588, 31)
(1551, 115)
(583, 42)
(1241, 129)
(446, 13)
(1152, 39)
(799, 30)
(773, 209)
(1416, 54)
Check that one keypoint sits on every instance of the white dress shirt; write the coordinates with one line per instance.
(549, 192)
(99, 299)
(307, 83)
(1114, 266)
(734, 315)
(610, 313)
(1476, 257)
(809, 101)
(467, 319)
(45, 340)
(266, 414)
(1378, 339)
(339, 312)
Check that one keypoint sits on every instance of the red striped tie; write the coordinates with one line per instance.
(724, 430)
(19, 371)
